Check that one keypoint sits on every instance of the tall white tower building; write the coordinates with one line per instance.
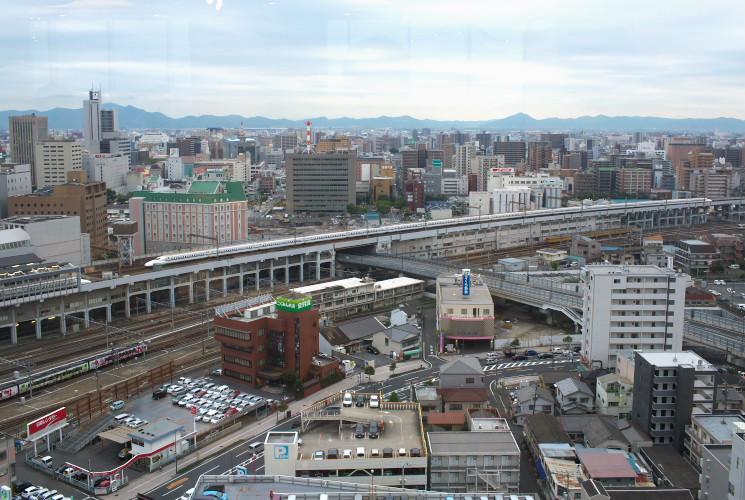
(92, 122)
(631, 307)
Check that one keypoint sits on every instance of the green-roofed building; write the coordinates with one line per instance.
(209, 213)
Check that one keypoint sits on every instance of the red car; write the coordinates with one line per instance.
(231, 412)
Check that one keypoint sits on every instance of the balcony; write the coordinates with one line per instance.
(662, 420)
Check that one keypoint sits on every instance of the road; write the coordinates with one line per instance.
(173, 487)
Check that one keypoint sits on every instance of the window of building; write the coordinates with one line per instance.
(456, 406)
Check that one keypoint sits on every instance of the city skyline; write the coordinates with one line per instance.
(293, 60)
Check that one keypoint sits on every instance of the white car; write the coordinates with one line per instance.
(374, 401)
(136, 423)
(346, 454)
(187, 495)
(715, 293)
(30, 491)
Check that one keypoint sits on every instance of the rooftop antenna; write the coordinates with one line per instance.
(242, 132)
(308, 149)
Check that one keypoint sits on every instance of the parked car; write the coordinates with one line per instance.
(346, 454)
(159, 393)
(372, 350)
(374, 430)
(359, 430)
(360, 401)
(217, 372)
(319, 455)
(374, 401)
(347, 400)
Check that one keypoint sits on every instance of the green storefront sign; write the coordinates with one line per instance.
(294, 305)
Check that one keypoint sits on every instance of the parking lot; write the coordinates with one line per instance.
(213, 401)
(727, 292)
(105, 455)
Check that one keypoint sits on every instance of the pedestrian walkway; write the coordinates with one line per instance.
(518, 364)
(154, 480)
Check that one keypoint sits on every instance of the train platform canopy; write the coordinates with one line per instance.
(117, 434)
(19, 260)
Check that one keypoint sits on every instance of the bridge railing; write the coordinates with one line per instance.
(542, 291)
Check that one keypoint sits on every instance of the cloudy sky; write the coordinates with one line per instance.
(438, 59)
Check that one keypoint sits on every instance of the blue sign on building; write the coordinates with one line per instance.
(282, 452)
(466, 282)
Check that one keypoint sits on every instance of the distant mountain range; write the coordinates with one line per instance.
(131, 118)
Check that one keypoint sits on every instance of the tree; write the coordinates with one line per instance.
(428, 383)
(369, 371)
(393, 398)
(393, 367)
(393, 150)
(383, 206)
(282, 406)
(515, 343)
(568, 339)
(554, 265)
(110, 196)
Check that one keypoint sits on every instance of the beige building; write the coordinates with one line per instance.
(77, 197)
(54, 159)
(465, 312)
(634, 180)
(340, 298)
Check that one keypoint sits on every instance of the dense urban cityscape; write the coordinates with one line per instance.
(373, 250)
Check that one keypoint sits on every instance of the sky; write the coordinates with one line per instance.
(433, 59)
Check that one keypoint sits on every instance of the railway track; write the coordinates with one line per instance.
(43, 357)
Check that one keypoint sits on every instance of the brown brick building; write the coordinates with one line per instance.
(78, 197)
(260, 345)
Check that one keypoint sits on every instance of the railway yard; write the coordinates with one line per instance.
(178, 334)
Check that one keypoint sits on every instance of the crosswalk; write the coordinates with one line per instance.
(518, 364)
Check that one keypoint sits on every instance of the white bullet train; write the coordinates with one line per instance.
(412, 226)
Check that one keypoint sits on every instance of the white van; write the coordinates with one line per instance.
(741, 307)
(46, 461)
(492, 357)
(256, 447)
(347, 401)
(116, 405)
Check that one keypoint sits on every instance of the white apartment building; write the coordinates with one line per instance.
(54, 159)
(631, 307)
(736, 484)
(614, 395)
(463, 159)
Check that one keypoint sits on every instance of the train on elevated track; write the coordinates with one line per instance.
(408, 227)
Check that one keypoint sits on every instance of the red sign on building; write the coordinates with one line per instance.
(47, 424)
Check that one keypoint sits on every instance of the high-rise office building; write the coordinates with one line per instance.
(631, 307)
(320, 183)
(54, 159)
(540, 155)
(109, 122)
(514, 152)
(25, 132)
(92, 122)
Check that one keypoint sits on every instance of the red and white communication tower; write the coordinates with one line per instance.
(308, 149)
